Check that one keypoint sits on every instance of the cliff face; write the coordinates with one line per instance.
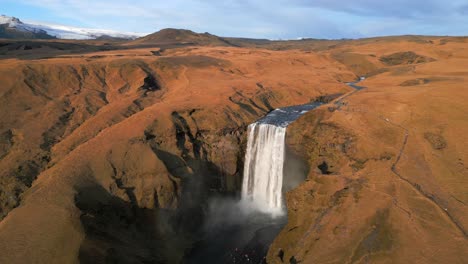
(387, 167)
(114, 154)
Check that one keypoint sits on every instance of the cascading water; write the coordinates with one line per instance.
(264, 159)
(263, 167)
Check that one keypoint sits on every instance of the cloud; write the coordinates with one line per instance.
(268, 19)
(394, 8)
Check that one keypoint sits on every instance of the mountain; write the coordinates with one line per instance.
(12, 27)
(182, 36)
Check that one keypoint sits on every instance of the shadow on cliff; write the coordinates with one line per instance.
(201, 180)
(116, 231)
(295, 170)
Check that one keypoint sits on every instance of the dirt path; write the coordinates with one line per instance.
(339, 102)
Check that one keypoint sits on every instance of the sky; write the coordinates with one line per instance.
(273, 19)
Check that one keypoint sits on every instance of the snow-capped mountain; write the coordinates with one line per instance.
(60, 31)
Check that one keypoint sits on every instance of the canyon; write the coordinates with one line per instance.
(120, 152)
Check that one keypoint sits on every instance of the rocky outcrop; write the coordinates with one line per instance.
(407, 57)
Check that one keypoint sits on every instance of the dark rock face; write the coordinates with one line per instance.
(150, 84)
(6, 142)
(323, 167)
(437, 141)
(432, 79)
(415, 82)
(407, 57)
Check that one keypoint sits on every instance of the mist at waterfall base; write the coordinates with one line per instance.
(241, 230)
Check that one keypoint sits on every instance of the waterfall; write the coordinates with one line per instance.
(264, 159)
(263, 167)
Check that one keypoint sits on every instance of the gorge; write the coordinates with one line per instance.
(153, 151)
(260, 212)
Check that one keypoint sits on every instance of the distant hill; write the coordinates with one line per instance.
(182, 36)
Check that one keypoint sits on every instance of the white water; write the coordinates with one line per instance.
(263, 168)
